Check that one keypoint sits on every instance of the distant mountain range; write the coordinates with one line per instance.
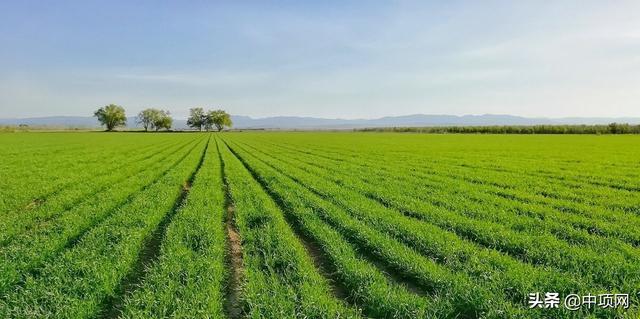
(294, 122)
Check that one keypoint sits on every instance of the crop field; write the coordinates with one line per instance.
(318, 225)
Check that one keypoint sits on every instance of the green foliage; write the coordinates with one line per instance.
(155, 119)
(613, 128)
(89, 269)
(111, 116)
(76, 208)
(330, 225)
(163, 121)
(218, 118)
(200, 119)
(281, 281)
(194, 248)
(443, 199)
(146, 118)
(197, 118)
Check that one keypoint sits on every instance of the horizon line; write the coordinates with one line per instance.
(356, 119)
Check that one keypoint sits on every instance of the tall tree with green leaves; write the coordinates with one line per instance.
(155, 119)
(197, 118)
(162, 120)
(220, 119)
(146, 118)
(111, 116)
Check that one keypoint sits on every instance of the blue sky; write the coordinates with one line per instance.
(321, 58)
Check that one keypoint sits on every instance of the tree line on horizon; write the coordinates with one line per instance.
(113, 116)
(612, 128)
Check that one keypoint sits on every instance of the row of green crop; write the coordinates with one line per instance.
(23, 179)
(41, 148)
(188, 280)
(68, 171)
(49, 235)
(450, 184)
(280, 280)
(588, 219)
(609, 161)
(446, 193)
(449, 294)
(366, 285)
(579, 165)
(95, 153)
(608, 268)
(624, 228)
(572, 196)
(16, 145)
(619, 178)
(15, 224)
(580, 176)
(79, 282)
(502, 273)
(85, 191)
(608, 196)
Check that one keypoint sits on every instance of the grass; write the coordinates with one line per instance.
(315, 225)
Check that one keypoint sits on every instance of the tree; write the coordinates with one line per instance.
(197, 118)
(208, 121)
(220, 119)
(162, 120)
(111, 116)
(155, 119)
(618, 128)
(146, 118)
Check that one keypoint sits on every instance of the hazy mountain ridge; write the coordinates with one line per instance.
(296, 122)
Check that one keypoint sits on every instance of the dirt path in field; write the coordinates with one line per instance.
(234, 257)
(233, 302)
(149, 253)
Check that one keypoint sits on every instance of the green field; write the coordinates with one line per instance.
(316, 225)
